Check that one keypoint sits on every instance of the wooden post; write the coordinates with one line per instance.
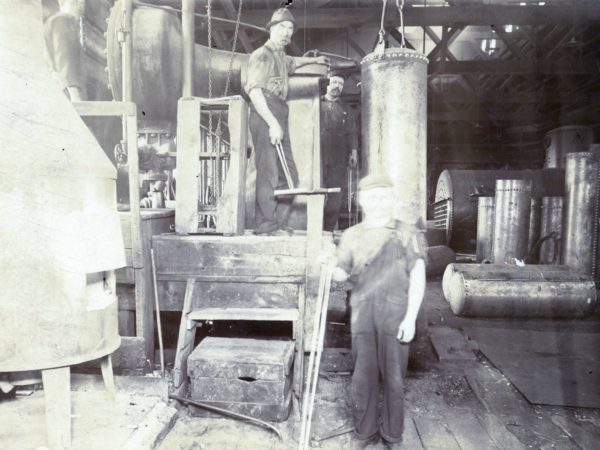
(57, 393)
(231, 207)
(188, 147)
(185, 340)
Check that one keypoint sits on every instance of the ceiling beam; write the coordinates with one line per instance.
(512, 45)
(242, 35)
(462, 15)
(503, 67)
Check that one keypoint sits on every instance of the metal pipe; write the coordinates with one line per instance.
(533, 291)
(560, 141)
(580, 214)
(551, 222)
(394, 125)
(188, 27)
(534, 225)
(485, 228)
(511, 220)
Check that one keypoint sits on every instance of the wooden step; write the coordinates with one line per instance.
(269, 314)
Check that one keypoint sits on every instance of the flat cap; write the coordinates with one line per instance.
(375, 180)
(281, 15)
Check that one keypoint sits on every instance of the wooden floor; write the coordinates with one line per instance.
(455, 398)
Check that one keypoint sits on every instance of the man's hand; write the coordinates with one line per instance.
(353, 161)
(275, 132)
(406, 331)
(322, 60)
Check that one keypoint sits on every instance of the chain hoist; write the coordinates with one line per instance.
(380, 47)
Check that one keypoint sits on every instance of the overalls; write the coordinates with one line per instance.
(378, 303)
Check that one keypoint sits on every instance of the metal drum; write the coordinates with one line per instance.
(485, 228)
(580, 212)
(438, 257)
(511, 220)
(560, 141)
(533, 291)
(534, 224)
(58, 304)
(456, 195)
(551, 218)
(394, 125)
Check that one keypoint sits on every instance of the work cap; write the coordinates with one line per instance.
(281, 15)
(376, 180)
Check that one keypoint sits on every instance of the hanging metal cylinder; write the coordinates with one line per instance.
(580, 212)
(511, 220)
(485, 228)
(551, 229)
(534, 291)
(394, 125)
(534, 225)
(560, 141)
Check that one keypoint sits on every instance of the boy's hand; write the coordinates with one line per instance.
(406, 331)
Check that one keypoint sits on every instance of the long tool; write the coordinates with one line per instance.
(284, 164)
(226, 412)
(319, 325)
(158, 322)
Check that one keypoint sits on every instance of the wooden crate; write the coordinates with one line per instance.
(249, 376)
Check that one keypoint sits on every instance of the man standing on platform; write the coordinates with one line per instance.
(62, 34)
(385, 260)
(267, 85)
(339, 146)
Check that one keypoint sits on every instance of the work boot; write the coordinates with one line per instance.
(266, 228)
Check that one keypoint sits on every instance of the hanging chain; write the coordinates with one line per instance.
(209, 17)
(230, 69)
(380, 42)
(400, 6)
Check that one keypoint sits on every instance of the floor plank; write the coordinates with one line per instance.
(450, 344)
(434, 435)
(469, 433)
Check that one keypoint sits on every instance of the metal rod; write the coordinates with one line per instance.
(228, 413)
(322, 326)
(286, 169)
(311, 357)
(158, 321)
(189, 41)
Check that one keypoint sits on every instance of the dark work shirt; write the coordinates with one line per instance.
(339, 133)
(269, 69)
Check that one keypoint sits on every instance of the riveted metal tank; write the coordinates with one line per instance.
(534, 223)
(551, 224)
(511, 220)
(485, 228)
(532, 291)
(560, 141)
(394, 125)
(456, 194)
(580, 212)
(63, 239)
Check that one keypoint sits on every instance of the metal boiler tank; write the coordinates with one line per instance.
(511, 220)
(551, 223)
(455, 208)
(394, 125)
(485, 228)
(580, 212)
(532, 291)
(560, 141)
(63, 240)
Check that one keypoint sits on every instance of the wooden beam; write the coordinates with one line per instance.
(512, 45)
(449, 35)
(470, 14)
(357, 48)
(508, 68)
(242, 35)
